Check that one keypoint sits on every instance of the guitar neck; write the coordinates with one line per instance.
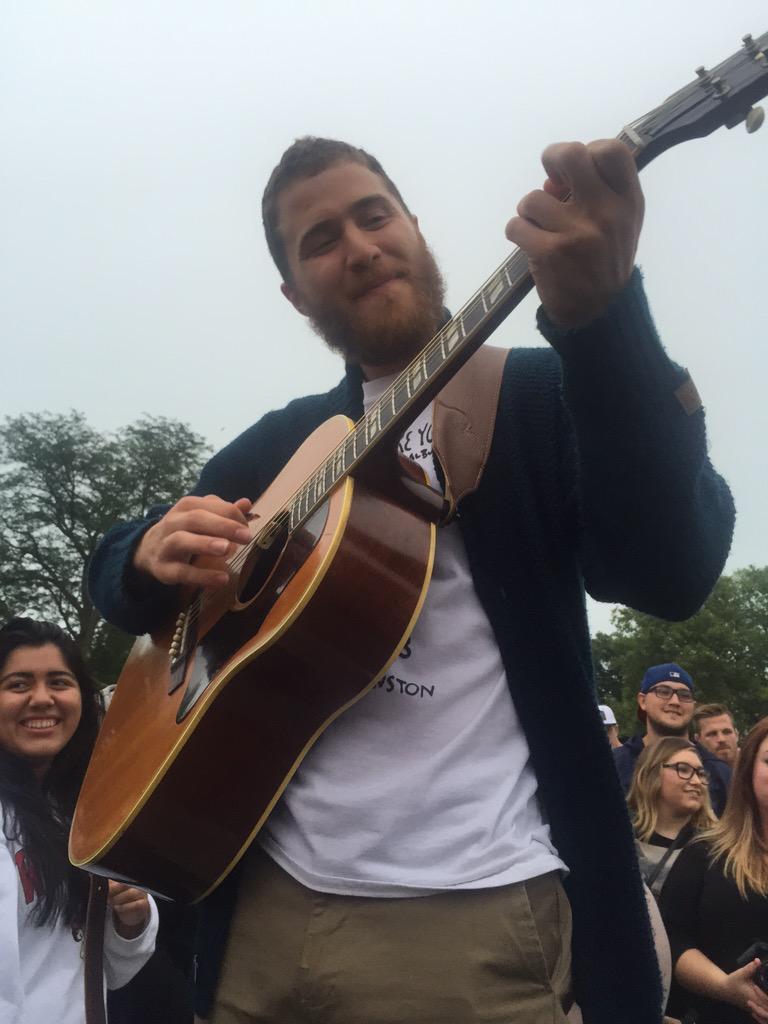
(722, 96)
(427, 374)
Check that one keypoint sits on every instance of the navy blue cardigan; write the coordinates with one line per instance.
(597, 477)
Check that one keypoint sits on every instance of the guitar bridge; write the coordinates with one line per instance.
(179, 650)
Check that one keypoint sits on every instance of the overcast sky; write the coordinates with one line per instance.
(137, 138)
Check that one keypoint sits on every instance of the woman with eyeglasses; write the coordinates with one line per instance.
(669, 804)
(715, 901)
(49, 717)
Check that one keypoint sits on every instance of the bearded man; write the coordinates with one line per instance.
(427, 860)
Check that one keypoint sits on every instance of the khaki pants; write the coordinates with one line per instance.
(490, 955)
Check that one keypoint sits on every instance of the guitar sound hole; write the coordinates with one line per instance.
(282, 560)
(263, 567)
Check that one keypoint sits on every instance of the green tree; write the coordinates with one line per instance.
(62, 485)
(724, 647)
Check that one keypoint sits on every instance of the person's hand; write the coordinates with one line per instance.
(194, 527)
(130, 909)
(740, 989)
(581, 252)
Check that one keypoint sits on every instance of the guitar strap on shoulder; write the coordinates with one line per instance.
(94, 950)
(463, 421)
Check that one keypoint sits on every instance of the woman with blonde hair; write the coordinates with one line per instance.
(715, 901)
(669, 804)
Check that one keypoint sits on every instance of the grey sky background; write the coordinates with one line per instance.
(137, 139)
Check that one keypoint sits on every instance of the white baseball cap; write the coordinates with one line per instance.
(607, 715)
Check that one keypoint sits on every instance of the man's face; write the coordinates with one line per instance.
(666, 713)
(360, 269)
(719, 737)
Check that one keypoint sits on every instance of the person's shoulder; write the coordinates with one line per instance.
(306, 408)
(540, 362)
(696, 855)
(277, 433)
(629, 750)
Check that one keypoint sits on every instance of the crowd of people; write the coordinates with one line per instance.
(701, 836)
(699, 808)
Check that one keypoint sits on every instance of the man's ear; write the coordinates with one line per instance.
(294, 297)
(641, 701)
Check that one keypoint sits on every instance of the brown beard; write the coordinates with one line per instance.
(398, 333)
(664, 729)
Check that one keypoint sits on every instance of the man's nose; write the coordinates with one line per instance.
(362, 251)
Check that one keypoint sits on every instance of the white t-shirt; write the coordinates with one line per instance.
(41, 969)
(425, 783)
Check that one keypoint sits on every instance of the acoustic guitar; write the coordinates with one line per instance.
(214, 712)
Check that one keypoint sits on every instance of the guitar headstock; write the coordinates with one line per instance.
(722, 96)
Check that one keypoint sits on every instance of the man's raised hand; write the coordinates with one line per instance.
(208, 527)
(581, 252)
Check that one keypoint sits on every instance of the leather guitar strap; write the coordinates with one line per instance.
(94, 950)
(464, 418)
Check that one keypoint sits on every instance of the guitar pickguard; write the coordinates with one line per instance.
(260, 589)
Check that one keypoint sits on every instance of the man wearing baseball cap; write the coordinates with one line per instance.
(665, 702)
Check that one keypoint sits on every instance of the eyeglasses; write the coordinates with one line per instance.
(684, 695)
(686, 771)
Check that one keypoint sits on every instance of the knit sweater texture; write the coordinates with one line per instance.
(597, 479)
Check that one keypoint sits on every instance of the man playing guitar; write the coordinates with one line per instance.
(417, 865)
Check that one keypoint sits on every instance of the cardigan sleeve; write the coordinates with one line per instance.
(230, 475)
(655, 519)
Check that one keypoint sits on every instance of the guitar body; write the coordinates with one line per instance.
(180, 782)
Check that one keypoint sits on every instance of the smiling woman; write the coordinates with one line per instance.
(669, 804)
(49, 718)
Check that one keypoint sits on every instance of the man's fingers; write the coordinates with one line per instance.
(758, 1014)
(211, 503)
(615, 165)
(545, 211)
(532, 239)
(208, 524)
(570, 163)
(181, 574)
(587, 170)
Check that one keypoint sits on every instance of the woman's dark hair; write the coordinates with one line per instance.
(36, 815)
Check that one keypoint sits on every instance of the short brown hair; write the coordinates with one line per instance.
(306, 158)
(709, 711)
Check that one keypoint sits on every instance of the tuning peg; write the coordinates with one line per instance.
(753, 120)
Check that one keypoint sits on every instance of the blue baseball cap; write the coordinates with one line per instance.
(668, 673)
